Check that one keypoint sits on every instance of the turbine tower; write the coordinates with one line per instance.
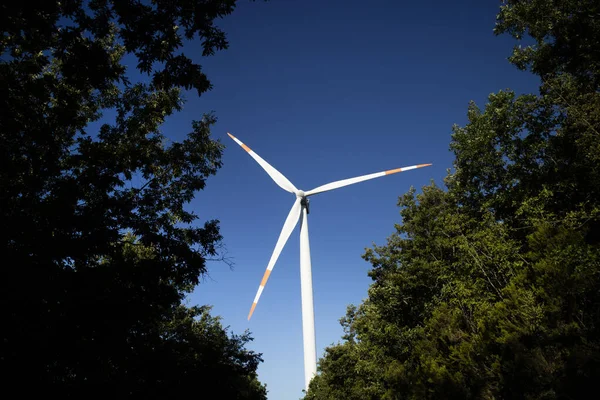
(300, 209)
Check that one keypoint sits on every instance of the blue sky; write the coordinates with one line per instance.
(327, 90)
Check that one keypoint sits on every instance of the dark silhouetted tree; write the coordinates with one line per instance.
(98, 250)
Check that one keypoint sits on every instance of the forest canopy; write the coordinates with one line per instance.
(489, 286)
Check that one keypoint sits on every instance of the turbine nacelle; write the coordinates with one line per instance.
(304, 202)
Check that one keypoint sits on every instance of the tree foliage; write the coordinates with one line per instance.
(98, 248)
(490, 289)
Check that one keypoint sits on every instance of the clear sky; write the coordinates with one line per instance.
(327, 90)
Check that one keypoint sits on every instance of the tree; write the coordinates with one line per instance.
(99, 249)
(489, 289)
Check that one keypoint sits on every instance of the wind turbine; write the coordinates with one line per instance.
(300, 208)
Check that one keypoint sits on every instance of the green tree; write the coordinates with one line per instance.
(98, 248)
(490, 289)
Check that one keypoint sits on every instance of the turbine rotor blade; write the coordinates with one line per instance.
(277, 176)
(288, 227)
(350, 181)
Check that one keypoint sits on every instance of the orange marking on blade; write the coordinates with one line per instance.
(241, 144)
(423, 165)
(251, 311)
(393, 171)
(265, 277)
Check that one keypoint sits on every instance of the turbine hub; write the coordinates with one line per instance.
(300, 194)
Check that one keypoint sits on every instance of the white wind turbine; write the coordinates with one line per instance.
(300, 207)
